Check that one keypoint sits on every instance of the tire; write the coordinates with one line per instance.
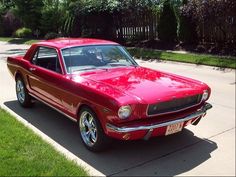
(91, 132)
(22, 94)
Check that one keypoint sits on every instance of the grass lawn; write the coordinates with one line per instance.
(211, 60)
(22, 153)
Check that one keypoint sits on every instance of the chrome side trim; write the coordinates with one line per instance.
(37, 98)
(196, 114)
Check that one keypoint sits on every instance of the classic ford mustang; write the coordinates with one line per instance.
(97, 84)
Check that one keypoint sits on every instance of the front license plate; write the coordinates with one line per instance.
(174, 128)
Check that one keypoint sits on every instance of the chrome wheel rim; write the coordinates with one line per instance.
(88, 128)
(20, 91)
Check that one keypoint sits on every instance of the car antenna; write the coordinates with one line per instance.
(70, 57)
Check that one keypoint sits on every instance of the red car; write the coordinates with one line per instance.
(97, 84)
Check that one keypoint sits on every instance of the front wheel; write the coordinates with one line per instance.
(91, 131)
(22, 94)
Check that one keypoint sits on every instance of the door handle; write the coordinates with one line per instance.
(32, 69)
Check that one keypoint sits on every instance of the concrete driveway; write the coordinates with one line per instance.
(206, 149)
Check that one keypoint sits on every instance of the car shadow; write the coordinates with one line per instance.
(123, 155)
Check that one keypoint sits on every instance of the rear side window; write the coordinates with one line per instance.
(47, 58)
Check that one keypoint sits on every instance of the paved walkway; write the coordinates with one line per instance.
(11, 49)
(206, 149)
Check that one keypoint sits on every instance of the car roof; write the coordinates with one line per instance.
(72, 42)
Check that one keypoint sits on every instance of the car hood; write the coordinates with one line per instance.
(145, 85)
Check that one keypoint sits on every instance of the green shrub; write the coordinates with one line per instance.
(168, 23)
(23, 33)
(187, 30)
(51, 35)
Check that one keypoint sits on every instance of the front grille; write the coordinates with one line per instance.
(173, 105)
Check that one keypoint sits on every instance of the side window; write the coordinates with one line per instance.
(47, 58)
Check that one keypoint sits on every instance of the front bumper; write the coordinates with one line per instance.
(129, 129)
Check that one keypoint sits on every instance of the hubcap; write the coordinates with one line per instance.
(20, 92)
(88, 128)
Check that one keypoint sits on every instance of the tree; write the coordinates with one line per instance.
(5, 5)
(72, 11)
(29, 12)
(211, 18)
(52, 17)
(8, 21)
(168, 23)
(187, 26)
(187, 31)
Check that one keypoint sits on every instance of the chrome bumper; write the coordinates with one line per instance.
(198, 113)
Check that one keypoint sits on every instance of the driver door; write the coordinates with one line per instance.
(45, 73)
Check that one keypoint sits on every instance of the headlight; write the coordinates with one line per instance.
(124, 112)
(205, 95)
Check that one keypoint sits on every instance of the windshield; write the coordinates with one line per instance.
(96, 57)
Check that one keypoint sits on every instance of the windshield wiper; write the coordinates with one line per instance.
(84, 69)
(117, 64)
(92, 68)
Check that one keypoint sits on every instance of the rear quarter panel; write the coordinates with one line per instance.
(17, 65)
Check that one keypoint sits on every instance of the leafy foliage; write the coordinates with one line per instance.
(29, 11)
(219, 14)
(5, 5)
(52, 13)
(189, 21)
(168, 23)
(23, 33)
(116, 5)
(187, 29)
(71, 10)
